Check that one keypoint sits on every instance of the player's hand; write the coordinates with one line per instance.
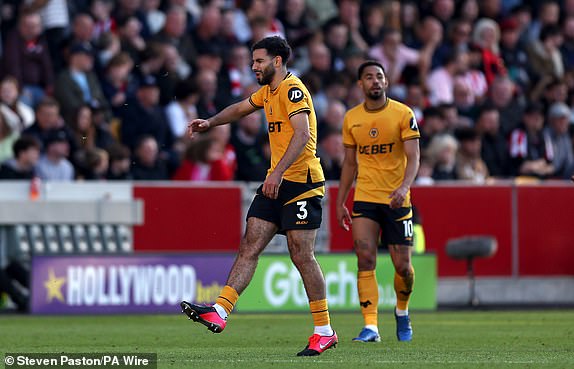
(398, 197)
(343, 217)
(271, 185)
(197, 125)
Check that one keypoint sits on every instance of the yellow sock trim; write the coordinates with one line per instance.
(227, 298)
(404, 288)
(368, 296)
(320, 312)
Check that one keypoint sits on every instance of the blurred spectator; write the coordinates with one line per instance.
(567, 48)
(131, 40)
(8, 136)
(443, 10)
(468, 11)
(209, 103)
(17, 114)
(319, 62)
(55, 23)
(429, 36)
(221, 136)
(119, 163)
(440, 82)
(148, 163)
(239, 70)
(48, 120)
(154, 17)
(545, 59)
(433, 124)
(530, 149)
(101, 11)
(26, 57)
(513, 53)
(203, 161)
(409, 17)
(416, 98)
(395, 56)
(502, 95)
(116, 83)
(457, 40)
(558, 130)
(78, 84)
(174, 68)
(298, 21)
(555, 90)
(494, 145)
(151, 60)
(206, 35)
(142, 116)
(373, 23)
(442, 156)
(92, 164)
(485, 40)
(182, 110)
(87, 134)
(469, 164)
(331, 152)
(127, 8)
(547, 14)
(336, 38)
(452, 118)
(26, 152)
(53, 165)
(247, 138)
(108, 46)
(174, 33)
(350, 15)
(491, 8)
(332, 120)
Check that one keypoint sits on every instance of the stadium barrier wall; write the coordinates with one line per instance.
(532, 223)
(157, 283)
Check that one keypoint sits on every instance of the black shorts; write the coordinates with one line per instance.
(296, 206)
(396, 224)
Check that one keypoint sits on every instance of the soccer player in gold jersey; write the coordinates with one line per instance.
(288, 201)
(381, 139)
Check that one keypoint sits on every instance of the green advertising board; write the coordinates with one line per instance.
(277, 286)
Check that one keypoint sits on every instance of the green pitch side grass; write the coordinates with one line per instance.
(470, 339)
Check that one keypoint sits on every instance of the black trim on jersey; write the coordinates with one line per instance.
(308, 110)
(254, 105)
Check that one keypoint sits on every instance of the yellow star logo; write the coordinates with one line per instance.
(54, 286)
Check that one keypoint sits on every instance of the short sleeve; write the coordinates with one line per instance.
(409, 126)
(256, 98)
(296, 99)
(348, 139)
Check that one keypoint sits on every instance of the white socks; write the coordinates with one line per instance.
(221, 311)
(323, 330)
(401, 312)
(372, 327)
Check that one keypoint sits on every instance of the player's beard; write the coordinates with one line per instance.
(267, 75)
(375, 95)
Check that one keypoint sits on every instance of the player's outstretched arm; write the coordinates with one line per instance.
(412, 152)
(229, 114)
(348, 174)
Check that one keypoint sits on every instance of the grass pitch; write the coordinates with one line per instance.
(446, 339)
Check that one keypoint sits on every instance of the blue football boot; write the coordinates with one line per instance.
(404, 329)
(367, 335)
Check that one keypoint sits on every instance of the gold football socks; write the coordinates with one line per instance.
(368, 296)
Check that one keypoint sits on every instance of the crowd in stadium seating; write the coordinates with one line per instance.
(103, 90)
